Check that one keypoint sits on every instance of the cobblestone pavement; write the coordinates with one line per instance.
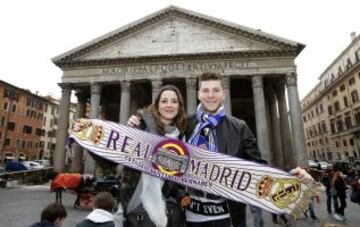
(22, 207)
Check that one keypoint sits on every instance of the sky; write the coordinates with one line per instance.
(33, 32)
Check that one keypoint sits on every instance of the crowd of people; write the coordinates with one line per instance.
(149, 201)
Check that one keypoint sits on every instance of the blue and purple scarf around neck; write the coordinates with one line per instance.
(205, 134)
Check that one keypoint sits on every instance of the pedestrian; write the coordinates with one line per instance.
(102, 215)
(338, 190)
(147, 196)
(52, 215)
(326, 181)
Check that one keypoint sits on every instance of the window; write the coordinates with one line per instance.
(304, 118)
(342, 87)
(44, 121)
(321, 108)
(14, 108)
(334, 93)
(5, 106)
(330, 110)
(23, 144)
(323, 126)
(357, 55)
(351, 142)
(29, 144)
(346, 104)
(11, 126)
(2, 122)
(354, 96)
(336, 106)
(340, 71)
(357, 118)
(337, 143)
(7, 142)
(27, 129)
(339, 124)
(17, 143)
(348, 122)
(332, 126)
(348, 63)
(344, 143)
(351, 81)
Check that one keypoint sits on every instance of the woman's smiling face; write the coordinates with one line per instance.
(168, 106)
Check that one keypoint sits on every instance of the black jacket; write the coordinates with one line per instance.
(234, 138)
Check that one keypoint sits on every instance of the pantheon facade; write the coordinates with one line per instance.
(121, 71)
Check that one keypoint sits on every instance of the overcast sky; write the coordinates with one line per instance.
(34, 31)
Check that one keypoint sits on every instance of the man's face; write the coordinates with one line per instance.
(211, 95)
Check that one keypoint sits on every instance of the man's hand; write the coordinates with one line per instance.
(133, 121)
(302, 175)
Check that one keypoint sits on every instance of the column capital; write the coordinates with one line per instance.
(257, 81)
(190, 82)
(125, 85)
(65, 87)
(227, 82)
(96, 88)
(156, 83)
(291, 79)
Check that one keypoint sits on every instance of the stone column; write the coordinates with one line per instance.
(191, 96)
(275, 131)
(77, 162)
(227, 101)
(125, 102)
(90, 165)
(62, 131)
(262, 131)
(286, 138)
(155, 84)
(296, 121)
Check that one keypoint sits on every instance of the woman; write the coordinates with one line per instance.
(142, 194)
(338, 189)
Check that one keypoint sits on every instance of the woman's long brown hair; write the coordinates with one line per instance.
(179, 120)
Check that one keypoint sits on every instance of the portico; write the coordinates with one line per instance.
(123, 70)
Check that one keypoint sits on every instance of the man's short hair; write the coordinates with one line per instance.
(211, 76)
(53, 211)
(104, 201)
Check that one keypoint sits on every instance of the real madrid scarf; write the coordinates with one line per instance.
(214, 173)
(204, 134)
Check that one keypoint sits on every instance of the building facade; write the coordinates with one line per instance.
(121, 71)
(331, 111)
(21, 113)
(28, 123)
(50, 125)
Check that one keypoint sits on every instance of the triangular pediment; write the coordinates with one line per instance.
(175, 31)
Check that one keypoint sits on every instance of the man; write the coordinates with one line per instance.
(52, 216)
(213, 130)
(102, 214)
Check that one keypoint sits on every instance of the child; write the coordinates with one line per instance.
(101, 215)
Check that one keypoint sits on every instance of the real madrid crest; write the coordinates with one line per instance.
(280, 191)
(86, 130)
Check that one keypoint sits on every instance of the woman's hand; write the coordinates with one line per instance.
(133, 121)
(302, 175)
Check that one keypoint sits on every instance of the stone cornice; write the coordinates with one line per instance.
(172, 11)
(180, 57)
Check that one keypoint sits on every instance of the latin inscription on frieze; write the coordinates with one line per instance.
(218, 66)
